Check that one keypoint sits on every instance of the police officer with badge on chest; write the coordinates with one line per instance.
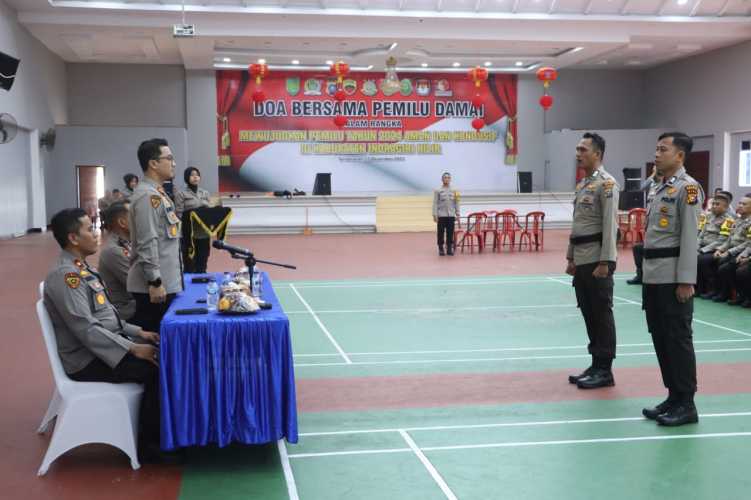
(591, 259)
(94, 343)
(114, 259)
(155, 276)
(670, 263)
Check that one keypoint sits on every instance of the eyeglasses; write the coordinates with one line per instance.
(169, 158)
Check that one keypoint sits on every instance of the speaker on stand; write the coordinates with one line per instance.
(632, 196)
(322, 185)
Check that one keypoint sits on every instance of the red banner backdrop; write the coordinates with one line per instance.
(302, 104)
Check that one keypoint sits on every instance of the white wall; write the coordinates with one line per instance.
(38, 102)
(113, 147)
(624, 148)
(126, 95)
(201, 115)
(706, 95)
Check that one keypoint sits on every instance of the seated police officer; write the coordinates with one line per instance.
(94, 343)
(714, 230)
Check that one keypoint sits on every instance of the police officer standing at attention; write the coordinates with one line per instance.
(94, 343)
(648, 185)
(155, 275)
(445, 213)
(190, 198)
(114, 259)
(670, 261)
(591, 256)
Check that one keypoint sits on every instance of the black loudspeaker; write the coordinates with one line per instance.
(631, 199)
(8, 68)
(525, 182)
(322, 185)
(633, 185)
(632, 173)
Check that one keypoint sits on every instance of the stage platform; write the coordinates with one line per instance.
(377, 212)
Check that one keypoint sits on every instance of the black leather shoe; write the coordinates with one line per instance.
(747, 304)
(653, 413)
(451, 253)
(679, 415)
(736, 302)
(441, 252)
(636, 280)
(707, 296)
(720, 298)
(572, 379)
(597, 379)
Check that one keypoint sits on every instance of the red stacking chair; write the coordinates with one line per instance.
(533, 230)
(489, 226)
(472, 232)
(508, 225)
(631, 226)
(459, 231)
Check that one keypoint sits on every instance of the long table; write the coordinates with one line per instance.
(226, 378)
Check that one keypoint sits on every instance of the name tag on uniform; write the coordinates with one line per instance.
(667, 199)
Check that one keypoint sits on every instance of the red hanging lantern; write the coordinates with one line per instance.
(478, 123)
(340, 95)
(547, 75)
(478, 75)
(339, 69)
(340, 121)
(259, 72)
(546, 101)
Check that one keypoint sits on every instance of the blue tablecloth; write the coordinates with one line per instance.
(226, 378)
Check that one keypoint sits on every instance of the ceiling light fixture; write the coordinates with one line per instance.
(262, 61)
(226, 59)
(682, 2)
(295, 62)
(488, 63)
(329, 62)
(424, 65)
(393, 46)
(456, 64)
(519, 63)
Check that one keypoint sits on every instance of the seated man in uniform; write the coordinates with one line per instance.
(93, 342)
(114, 259)
(727, 254)
(714, 231)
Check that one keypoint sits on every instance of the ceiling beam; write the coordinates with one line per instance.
(696, 7)
(724, 8)
(553, 4)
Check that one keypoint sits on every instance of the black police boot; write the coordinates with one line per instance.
(707, 296)
(653, 413)
(450, 251)
(598, 378)
(440, 250)
(572, 379)
(720, 297)
(636, 280)
(682, 413)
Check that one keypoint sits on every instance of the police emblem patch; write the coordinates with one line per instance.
(156, 201)
(72, 280)
(664, 222)
(692, 194)
(100, 299)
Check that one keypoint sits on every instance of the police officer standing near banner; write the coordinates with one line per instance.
(445, 213)
(670, 261)
(155, 275)
(591, 259)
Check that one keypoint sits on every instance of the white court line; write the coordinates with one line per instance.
(429, 466)
(519, 444)
(433, 309)
(325, 330)
(289, 478)
(700, 321)
(506, 349)
(517, 358)
(426, 283)
(532, 423)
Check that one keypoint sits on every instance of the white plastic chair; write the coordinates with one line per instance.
(87, 412)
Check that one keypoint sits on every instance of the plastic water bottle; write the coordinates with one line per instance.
(212, 295)
(256, 282)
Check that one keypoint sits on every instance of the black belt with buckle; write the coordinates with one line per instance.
(589, 238)
(661, 253)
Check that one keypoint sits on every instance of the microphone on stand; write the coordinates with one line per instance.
(230, 248)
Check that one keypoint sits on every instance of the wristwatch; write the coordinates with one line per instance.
(156, 283)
